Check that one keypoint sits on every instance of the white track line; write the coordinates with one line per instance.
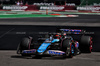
(6, 32)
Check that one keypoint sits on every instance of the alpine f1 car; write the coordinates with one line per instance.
(60, 43)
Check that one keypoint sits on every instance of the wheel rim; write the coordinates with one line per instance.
(72, 49)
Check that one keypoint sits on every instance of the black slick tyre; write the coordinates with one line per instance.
(86, 44)
(68, 48)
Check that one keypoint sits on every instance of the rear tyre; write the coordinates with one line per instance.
(68, 48)
(86, 44)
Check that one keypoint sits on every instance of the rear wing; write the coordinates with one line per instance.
(75, 31)
(71, 30)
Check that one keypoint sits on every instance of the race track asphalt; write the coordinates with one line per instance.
(13, 30)
(82, 20)
(10, 58)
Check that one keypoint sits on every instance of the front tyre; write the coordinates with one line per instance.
(68, 48)
(24, 45)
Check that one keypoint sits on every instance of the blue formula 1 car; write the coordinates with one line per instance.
(60, 43)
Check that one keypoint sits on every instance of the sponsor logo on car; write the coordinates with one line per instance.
(29, 51)
(53, 52)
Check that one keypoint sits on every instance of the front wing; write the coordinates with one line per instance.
(48, 52)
